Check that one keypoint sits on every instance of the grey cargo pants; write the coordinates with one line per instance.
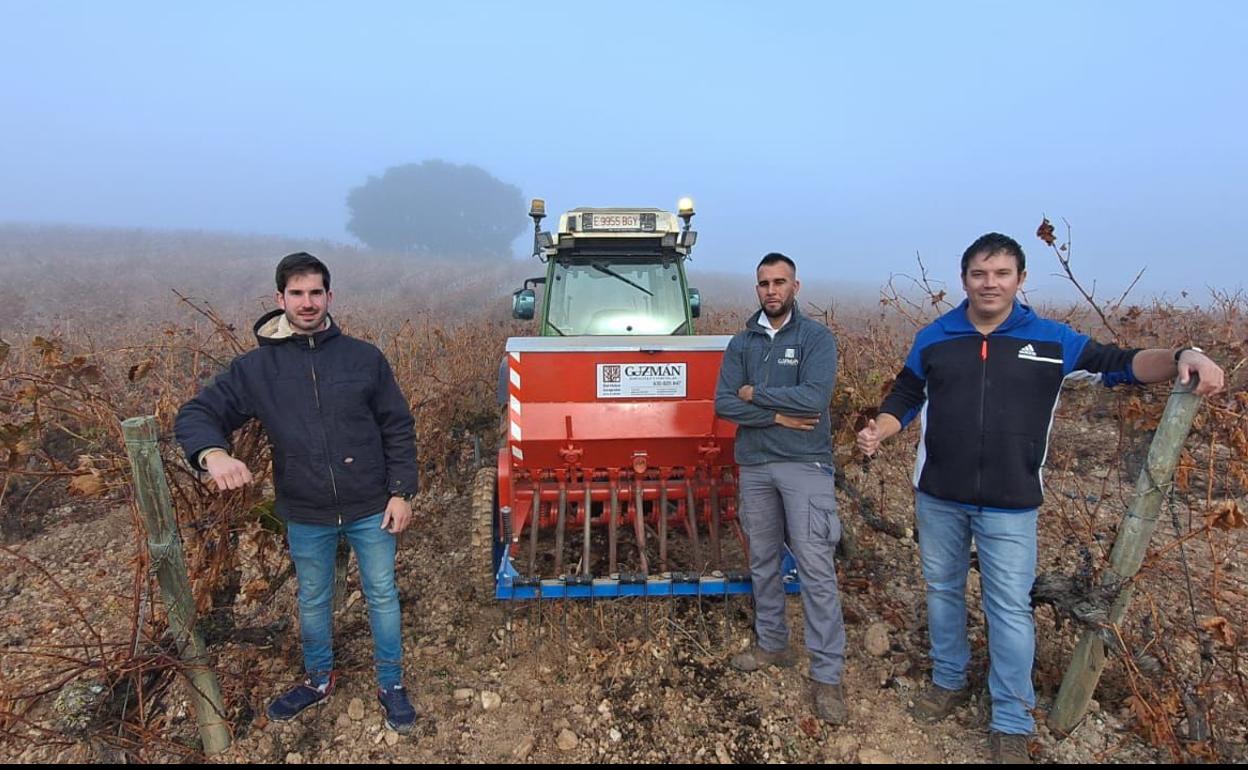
(795, 502)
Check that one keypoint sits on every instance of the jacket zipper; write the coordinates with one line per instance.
(771, 346)
(983, 397)
(766, 358)
(316, 391)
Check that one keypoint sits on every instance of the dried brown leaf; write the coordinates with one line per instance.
(1045, 232)
(809, 726)
(87, 485)
(89, 373)
(1220, 629)
(45, 345)
(1226, 516)
(140, 370)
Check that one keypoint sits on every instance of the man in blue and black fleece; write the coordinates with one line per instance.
(776, 383)
(985, 378)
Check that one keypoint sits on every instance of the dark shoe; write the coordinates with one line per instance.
(294, 701)
(400, 716)
(1009, 749)
(936, 703)
(756, 657)
(829, 702)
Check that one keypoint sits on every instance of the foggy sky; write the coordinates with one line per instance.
(848, 135)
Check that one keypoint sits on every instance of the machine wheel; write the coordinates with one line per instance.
(485, 532)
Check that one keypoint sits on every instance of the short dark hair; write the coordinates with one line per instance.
(300, 263)
(992, 244)
(774, 257)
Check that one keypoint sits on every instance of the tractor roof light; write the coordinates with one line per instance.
(537, 210)
(684, 209)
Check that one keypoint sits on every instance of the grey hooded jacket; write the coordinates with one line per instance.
(794, 373)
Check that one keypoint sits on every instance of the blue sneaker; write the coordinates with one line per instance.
(400, 716)
(294, 701)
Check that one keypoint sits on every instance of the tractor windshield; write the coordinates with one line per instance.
(616, 297)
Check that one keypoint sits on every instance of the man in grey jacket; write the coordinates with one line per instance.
(776, 384)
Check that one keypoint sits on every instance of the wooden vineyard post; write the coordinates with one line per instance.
(1130, 547)
(151, 492)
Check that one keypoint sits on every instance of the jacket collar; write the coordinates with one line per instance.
(273, 329)
(752, 323)
(957, 321)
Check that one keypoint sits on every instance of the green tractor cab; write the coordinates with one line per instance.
(612, 271)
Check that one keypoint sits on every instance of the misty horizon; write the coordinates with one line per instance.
(849, 138)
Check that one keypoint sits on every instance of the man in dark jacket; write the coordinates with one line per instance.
(776, 383)
(344, 464)
(986, 377)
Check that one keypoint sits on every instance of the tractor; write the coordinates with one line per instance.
(614, 477)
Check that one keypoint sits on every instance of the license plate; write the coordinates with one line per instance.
(598, 221)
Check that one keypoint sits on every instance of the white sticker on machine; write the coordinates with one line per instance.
(643, 380)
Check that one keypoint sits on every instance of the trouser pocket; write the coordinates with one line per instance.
(825, 525)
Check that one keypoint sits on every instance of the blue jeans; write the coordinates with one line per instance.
(313, 549)
(1006, 542)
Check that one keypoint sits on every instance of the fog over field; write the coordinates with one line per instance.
(850, 137)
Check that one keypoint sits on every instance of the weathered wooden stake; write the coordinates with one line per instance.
(1130, 547)
(151, 491)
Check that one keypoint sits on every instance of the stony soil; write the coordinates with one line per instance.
(614, 682)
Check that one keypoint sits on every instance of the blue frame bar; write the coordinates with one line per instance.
(611, 588)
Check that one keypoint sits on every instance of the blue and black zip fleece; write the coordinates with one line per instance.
(987, 402)
(794, 373)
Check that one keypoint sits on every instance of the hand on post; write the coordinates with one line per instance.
(1210, 376)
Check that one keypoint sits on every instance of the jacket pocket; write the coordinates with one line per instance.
(303, 481)
(360, 471)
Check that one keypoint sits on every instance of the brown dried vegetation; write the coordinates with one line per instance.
(71, 370)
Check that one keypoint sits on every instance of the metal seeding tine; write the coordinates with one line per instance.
(612, 525)
(510, 628)
(726, 625)
(585, 527)
(559, 527)
(716, 552)
(662, 523)
(563, 621)
(585, 555)
(537, 633)
(740, 535)
(639, 525)
(534, 523)
(691, 520)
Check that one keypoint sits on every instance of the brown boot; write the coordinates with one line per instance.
(829, 702)
(1009, 749)
(936, 703)
(756, 657)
